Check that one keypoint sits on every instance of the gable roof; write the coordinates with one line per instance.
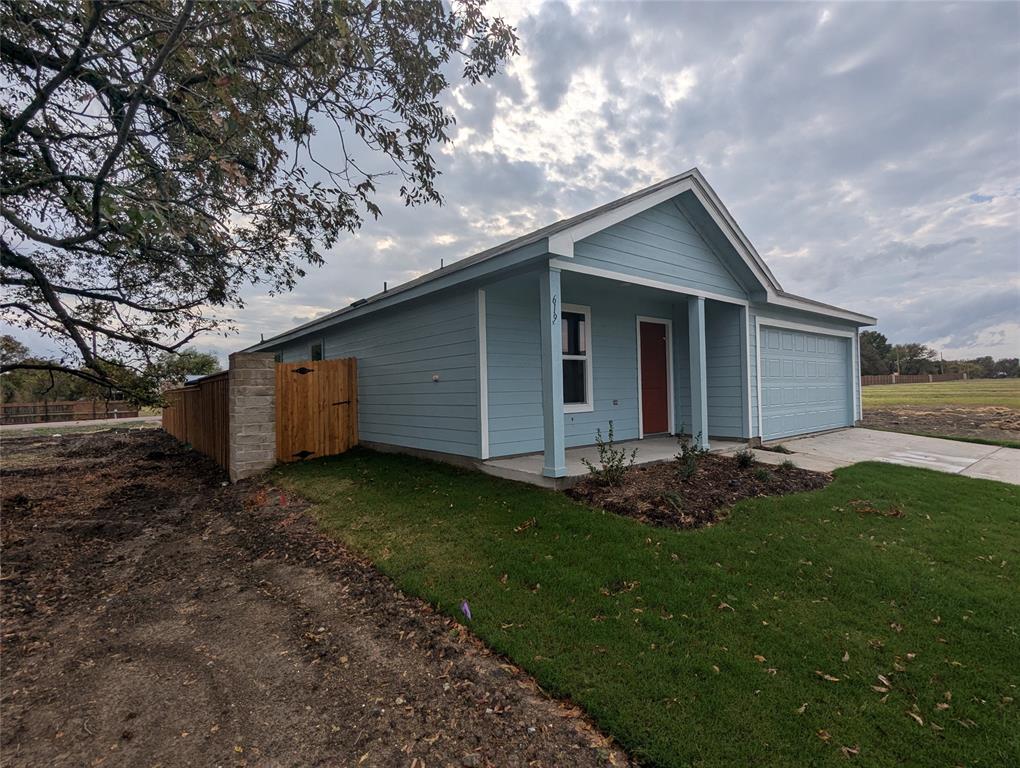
(559, 237)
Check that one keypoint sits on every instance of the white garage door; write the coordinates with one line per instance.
(805, 385)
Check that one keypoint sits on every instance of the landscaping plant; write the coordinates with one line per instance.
(613, 462)
(745, 458)
(687, 457)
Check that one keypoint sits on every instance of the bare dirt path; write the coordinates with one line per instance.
(986, 422)
(154, 617)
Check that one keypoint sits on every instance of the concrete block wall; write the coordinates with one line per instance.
(252, 414)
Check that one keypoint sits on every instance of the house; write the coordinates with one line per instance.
(653, 311)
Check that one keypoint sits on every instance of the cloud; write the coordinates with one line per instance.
(870, 150)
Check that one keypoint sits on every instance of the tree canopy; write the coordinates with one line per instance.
(160, 155)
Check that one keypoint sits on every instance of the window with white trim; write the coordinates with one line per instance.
(577, 370)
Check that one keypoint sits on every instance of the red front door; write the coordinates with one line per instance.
(654, 380)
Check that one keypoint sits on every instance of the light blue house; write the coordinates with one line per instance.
(653, 311)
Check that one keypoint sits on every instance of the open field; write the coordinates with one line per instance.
(876, 620)
(984, 392)
(981, 410)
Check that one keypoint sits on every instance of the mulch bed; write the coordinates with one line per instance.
(656, 494)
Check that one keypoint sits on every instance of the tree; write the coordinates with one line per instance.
(171, 369)
(158, 155)
(875, 349)
(11, 350)
(914, 358)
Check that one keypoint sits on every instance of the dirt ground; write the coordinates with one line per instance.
(155, 616)
(656, 494)
(987, 422)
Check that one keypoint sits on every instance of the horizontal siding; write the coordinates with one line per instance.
(398, 353)
(724, 369)
(659, 244)
(514, 366)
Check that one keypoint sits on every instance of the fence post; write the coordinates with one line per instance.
(252, 413)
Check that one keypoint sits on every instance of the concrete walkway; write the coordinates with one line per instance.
(830, 451)
(651, 450)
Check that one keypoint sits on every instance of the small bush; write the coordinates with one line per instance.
(613, 462)
(745, 458)
(763, 475)
(689, 454)
(787, 464)
(675, 500)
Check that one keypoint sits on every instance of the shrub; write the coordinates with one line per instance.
(613, 462)
(763, 475)
(675, 500)
(745, 458)
(787, 464)
(687, 457)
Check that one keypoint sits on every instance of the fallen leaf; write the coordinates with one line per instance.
(759, 658)
(885, 680)
(824, 676)
(941, 705)
(917, 717)
(896, 627)
(850, 751)
(846, 655)
(801, 708)
(726, 607)
(824, 735)
(879, 689)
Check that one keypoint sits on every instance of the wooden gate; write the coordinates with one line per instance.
(316, 408)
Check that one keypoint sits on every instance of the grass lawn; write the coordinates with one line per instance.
(760, 641)
(1002, 392)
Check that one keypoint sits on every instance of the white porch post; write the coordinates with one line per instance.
(745, 373)
(699, 370)
(552, 373)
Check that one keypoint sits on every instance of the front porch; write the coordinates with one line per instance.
(529, 467)
(645, 358)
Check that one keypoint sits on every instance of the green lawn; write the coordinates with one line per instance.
(712, 647)
(1003, 392)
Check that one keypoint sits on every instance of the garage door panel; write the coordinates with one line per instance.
(805, 382)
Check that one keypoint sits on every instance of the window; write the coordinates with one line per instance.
(278, 357)
(577, 378)
(317, 351)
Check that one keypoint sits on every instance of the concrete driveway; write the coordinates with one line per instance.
(830, 451)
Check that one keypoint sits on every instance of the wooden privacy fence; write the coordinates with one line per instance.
(199, 414)
(65, 410)
(259, 412)
(912, 378)
(316, 408)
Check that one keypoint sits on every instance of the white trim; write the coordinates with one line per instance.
(858, 405)
(671, 394)
(483, 378)
(623, 277)
(789, 325)
(795, 326)
(589, 404)
(757, 370)
(746, 349)
(810, 306)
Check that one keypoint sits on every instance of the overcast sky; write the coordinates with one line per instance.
(871, 152)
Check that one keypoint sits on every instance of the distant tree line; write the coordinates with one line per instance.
(879, 357)
(33, 384)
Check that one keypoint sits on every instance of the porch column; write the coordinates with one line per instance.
(552, 373)
(699, 369)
